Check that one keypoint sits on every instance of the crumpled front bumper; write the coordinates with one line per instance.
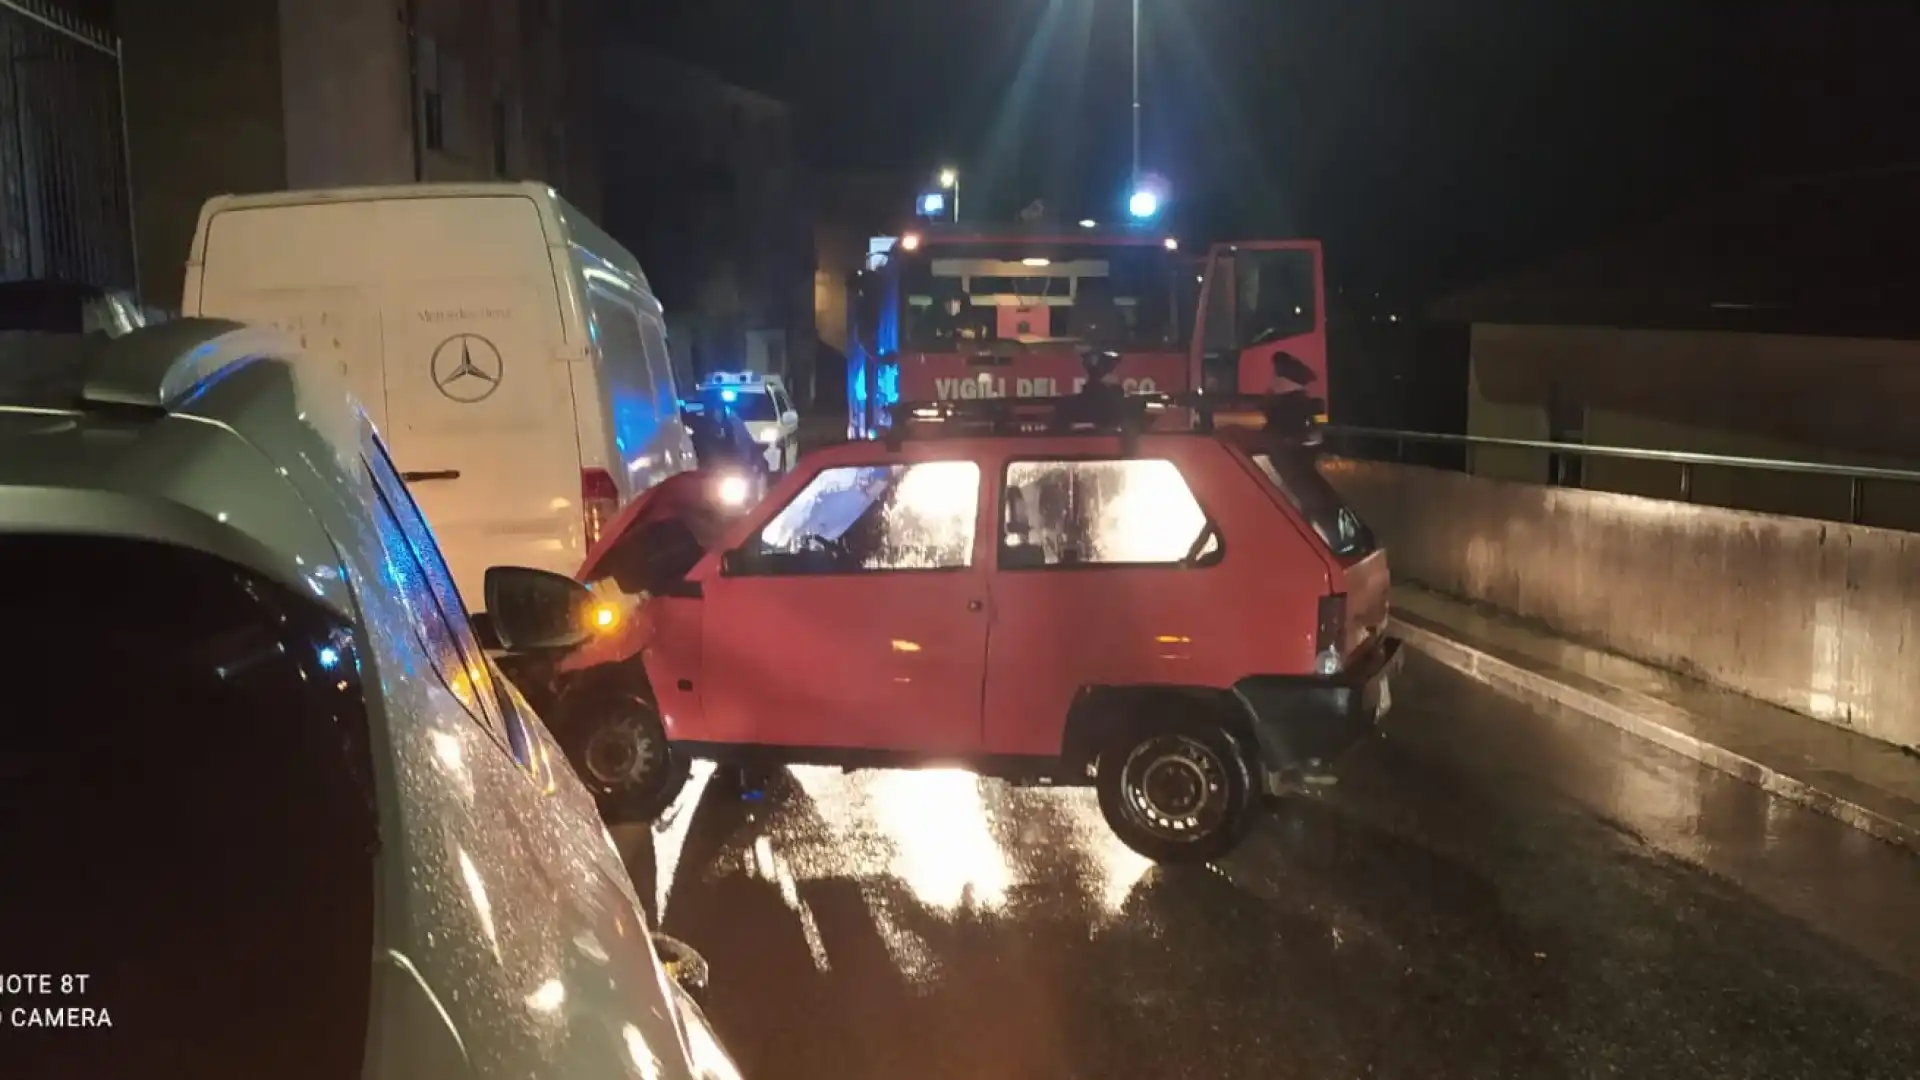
(1302, 722)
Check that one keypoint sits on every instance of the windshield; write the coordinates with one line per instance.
(750, 403)
(1112, 295)
(1310, 493)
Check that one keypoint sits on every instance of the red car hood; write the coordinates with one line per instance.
(677, 495)
(687, 495)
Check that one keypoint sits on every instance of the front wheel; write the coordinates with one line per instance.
(1176, 792)
(620, 750)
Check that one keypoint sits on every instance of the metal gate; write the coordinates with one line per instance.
(65, 206)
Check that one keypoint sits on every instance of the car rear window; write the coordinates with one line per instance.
(186, 819)
(1339, 527)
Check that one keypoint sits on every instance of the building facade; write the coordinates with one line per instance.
(244, 95)
(702, 183)
(1782, 323)
(65, 205)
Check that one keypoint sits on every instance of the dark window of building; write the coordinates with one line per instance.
(434, 120)
(499, 138)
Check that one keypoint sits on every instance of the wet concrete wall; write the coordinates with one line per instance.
(1817, 617)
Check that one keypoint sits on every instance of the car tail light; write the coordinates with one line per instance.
(599, 501)
(1329, 633)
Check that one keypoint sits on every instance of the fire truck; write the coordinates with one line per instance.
(943, 314)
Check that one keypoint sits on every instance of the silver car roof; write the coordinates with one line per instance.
(200, 433)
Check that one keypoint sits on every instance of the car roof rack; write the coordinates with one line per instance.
(153, 369)
(1100, 409)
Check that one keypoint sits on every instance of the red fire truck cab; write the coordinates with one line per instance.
(1011, 312)
(944, 314)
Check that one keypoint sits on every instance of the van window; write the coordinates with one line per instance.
(666, 396)
(633, 392)
(231, 731)
(618, 333)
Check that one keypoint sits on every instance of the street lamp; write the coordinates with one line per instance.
(950, 178)
(1144, 204)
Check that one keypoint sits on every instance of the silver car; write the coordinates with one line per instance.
(266, 808)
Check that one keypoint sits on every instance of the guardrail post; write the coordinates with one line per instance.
(1856, 500)
(1686, 481)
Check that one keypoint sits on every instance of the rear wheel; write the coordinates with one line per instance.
(620, 749)
(1176, 791)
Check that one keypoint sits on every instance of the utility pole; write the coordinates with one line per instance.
(1136, 93)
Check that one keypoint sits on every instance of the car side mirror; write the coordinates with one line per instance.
(790, 418)
(537, 609)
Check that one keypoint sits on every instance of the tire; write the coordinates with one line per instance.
(619, 747)
(1176, 790)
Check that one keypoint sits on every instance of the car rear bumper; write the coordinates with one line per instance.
(1302, 722)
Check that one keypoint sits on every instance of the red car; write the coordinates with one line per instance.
(1184, 620)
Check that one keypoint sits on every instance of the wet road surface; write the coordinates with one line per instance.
(1494, 890)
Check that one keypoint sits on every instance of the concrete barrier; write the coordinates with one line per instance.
(1820, 618)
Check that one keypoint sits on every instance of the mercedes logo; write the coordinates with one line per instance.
(467, 368)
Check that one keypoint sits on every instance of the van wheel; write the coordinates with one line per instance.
(620, 749)
(1176, 790)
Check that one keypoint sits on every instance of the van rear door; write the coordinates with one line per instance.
(456, 295)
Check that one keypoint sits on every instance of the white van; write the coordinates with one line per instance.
(511, 353)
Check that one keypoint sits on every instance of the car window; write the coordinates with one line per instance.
(1295, 477)
(1101, 513)
(425, 586)
(224, 711)
(876, 517)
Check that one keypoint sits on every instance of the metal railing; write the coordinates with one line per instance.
(1856, 476)
(66, 208)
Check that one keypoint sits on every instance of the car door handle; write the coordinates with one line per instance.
(975, 605)
(433, 474)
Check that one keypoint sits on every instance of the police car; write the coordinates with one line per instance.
(763, 403)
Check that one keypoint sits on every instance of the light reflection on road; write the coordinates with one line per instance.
(944, 843)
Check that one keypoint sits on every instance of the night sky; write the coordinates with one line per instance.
(1429, 142)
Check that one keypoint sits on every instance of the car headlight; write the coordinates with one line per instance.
(770, 436)
(705, 1055)
(732, 490)
(1328, 661)
(609, 608)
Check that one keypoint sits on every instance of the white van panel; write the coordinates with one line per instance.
(460, 295)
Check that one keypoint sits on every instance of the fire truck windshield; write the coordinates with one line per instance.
(1118, 296)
